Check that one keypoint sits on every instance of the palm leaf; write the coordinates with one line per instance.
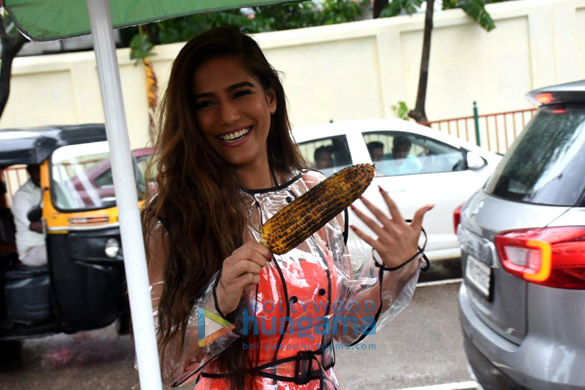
(476, 9)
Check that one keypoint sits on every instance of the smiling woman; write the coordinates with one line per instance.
(233, 111)
(226, 164)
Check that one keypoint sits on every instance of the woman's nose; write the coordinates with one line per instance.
(228, 113)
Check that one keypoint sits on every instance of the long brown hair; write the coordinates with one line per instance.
(197, 187)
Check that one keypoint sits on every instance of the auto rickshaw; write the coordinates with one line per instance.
(83, 285)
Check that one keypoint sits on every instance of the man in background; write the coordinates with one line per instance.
(30, 240)
(376, 149)
(323, 157)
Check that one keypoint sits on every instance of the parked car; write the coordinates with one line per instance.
(522, 300)
(83, 285)
(435, 168)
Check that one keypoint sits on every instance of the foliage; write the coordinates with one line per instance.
(400, 109)
(140, 47)
(250, 20)
(396, 7)
(474, 8)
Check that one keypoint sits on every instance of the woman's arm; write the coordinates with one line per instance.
(185, 354)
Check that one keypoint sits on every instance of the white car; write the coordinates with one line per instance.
(416, 164)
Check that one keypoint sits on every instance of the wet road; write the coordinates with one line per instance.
(422, 346)
(86, 360)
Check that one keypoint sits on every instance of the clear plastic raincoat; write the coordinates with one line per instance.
(308, 299)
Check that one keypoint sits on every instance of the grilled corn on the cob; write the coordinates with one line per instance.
(299, 220)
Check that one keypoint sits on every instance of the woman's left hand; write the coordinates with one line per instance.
(397, 240)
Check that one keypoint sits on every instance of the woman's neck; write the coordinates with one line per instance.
(256, 177)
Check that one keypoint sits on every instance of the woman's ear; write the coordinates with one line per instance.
(271, 100)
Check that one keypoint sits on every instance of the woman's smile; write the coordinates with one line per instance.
(233, 110)
(235, 138)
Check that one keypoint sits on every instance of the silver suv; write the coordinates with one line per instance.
(522, 237)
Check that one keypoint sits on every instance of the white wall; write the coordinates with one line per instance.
(347, 71)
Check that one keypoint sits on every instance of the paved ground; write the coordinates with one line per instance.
(422, 346)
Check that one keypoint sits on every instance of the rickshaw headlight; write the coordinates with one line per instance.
(112, 247)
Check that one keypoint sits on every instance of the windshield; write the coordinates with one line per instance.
(546, 164)
(81, 177)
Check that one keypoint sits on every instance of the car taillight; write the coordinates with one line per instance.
(553, 257)
(457, 218)
(544, 98)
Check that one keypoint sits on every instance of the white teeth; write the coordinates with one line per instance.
(231, 137)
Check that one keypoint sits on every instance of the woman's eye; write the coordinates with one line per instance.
(203, 104)
(242, 92)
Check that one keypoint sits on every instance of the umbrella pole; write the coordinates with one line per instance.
(126, 195)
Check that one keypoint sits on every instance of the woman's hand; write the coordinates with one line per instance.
(397, 240)
(241, 271)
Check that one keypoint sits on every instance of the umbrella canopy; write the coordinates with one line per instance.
(57, 19)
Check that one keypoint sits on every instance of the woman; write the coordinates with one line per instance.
(227, 163)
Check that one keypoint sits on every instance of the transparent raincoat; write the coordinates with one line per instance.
(308, 299)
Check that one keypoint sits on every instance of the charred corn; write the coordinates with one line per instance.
(299, 220)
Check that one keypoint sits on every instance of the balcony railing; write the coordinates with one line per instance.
(494, 132)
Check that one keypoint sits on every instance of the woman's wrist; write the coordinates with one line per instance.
(220, 303)
(380, 263)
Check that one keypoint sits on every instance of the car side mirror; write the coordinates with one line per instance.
(35, 214)
(474, 161)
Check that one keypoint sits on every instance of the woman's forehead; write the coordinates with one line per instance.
(220, 73)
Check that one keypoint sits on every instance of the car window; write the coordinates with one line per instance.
(81, 177)
(546, 164)
(398, 153)
(327, 155)
(105, 180)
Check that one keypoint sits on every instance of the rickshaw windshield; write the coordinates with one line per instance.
(81, 177)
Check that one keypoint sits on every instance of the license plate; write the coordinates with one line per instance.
(480, 276)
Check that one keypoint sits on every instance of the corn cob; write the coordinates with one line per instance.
(300, 219)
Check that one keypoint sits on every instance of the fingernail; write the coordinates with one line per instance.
(352, 207)
(380, 188)
(430, 206)
(353, 228)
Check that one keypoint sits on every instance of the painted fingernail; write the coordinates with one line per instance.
(352, 207)
(380, 188)
(353, 228)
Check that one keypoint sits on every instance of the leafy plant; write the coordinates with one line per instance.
(140, 47)
(401, 110)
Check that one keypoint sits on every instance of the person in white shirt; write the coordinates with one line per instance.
(30, 240)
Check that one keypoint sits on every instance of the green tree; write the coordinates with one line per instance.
(474, 8)
(260, 19)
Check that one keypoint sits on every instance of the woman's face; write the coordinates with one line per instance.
(233, 111)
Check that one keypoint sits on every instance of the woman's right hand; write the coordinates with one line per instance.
(241, 271)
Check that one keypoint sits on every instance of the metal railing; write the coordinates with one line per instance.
(494, 132)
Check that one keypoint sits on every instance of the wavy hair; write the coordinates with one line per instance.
(196, 186)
